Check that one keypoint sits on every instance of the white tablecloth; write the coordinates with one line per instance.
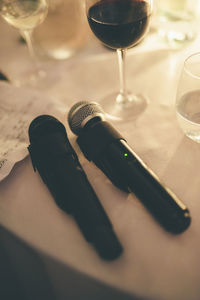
(155, 264)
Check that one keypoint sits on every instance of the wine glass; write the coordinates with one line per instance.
(120, 24)
(25, 15)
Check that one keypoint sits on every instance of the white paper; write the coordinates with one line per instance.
(18, 107)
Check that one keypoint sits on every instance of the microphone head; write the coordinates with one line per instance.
(44, 125)
(81, 113)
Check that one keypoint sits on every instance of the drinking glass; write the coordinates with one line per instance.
(188, 98)
(25, 15)
(120, 24)
(177, 21)
(65, 30)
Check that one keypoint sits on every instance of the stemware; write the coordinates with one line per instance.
(25, 15)
(177, 21)
(120, 24)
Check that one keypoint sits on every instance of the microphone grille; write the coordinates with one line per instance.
(82, 112)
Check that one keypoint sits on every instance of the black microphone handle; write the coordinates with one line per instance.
(68, 184)
(128, 172)
(163, 204)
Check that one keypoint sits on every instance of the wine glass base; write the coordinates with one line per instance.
(177, 39)
(31, 79)
(124, 108)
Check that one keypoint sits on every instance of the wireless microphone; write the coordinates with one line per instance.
(58, 165)
(102, 144)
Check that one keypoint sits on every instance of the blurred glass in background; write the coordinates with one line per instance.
(64, 31)
(177, 20)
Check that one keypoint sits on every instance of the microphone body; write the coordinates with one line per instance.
(58, 165)
(102, 144)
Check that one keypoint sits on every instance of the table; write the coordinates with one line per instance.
(155, 264)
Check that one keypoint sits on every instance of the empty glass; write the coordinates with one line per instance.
(64, 31)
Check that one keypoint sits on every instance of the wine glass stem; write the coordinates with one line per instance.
(27, 34)
(121, 53)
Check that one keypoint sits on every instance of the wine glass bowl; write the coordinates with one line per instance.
(24, 14)
(120, 24)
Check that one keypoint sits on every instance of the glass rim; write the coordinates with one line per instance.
(150, 2)
(187, 69)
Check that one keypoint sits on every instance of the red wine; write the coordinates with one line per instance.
(119, 23)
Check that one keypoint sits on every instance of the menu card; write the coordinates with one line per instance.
(18, 107)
